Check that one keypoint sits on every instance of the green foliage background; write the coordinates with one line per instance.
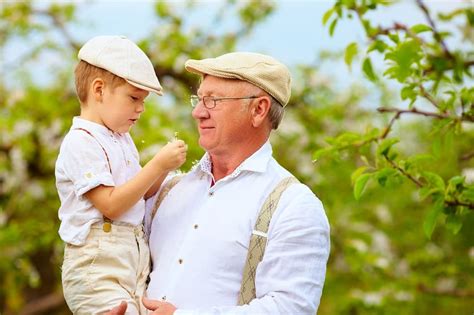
(387, 177)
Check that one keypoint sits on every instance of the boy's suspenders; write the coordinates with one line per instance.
(258, 240)
(107, 222)
(103, 149)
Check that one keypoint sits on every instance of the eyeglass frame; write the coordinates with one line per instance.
(197, 99)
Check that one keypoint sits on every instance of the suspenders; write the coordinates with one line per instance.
(107, 226)
(164, 191)
(105, 152)
(258, 240)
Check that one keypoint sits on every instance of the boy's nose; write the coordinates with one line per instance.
(140, 108)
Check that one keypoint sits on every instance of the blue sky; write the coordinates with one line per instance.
(294, 34)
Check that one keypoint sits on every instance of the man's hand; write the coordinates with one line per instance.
(159, 307)
(118, 310)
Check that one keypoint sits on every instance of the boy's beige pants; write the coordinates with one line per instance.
(111, 267)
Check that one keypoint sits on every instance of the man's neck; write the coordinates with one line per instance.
(225, 162)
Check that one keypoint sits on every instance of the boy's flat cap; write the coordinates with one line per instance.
(124, 58)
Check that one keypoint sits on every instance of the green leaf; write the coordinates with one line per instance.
(357, 173)
(351, 51)
(162, 9)
(406, 58)
(327, 15)
(364, 159)
(408, 92)
(420, 28)
(384, 174)
(378, 45)
(434, 180)
(428, 191)
(453, 223)
(468, 194)
(360, 185)
(431, 219)
(322, 152)
(385, 146)
(419, 159)
(368, 70)
(394, 37)
(332, 27)
(436, 147)
(456, 180)
(347, 138)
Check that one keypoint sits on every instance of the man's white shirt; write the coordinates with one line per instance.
(200, 235)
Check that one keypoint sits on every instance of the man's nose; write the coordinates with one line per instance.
(199, 111)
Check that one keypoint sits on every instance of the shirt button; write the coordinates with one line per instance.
(211, 193)
(180, 261)
(196, 226)
(163, 298)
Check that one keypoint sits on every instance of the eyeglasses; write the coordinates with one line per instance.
(211, 101)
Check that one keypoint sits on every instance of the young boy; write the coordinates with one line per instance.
(100, 182)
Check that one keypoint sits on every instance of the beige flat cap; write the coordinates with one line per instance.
(261, 70)
(124, 58)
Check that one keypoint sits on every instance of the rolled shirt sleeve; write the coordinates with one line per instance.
(84, 163)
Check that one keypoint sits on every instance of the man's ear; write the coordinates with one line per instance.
(97, 89)
(260, 110)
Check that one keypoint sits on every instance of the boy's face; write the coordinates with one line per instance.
(121, 107)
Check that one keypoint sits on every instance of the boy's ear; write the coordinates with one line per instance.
(97, 89)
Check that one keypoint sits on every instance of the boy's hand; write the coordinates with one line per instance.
(172, 155)
(159, 307)
(118, 310)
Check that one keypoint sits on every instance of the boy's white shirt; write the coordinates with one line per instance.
(82, 165)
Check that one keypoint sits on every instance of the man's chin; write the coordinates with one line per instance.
(204, 144)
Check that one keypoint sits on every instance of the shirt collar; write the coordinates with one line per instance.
(78, 122)
(257, 162)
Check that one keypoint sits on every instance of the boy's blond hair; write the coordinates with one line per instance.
(85, 73)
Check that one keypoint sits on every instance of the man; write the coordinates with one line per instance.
(200, 235)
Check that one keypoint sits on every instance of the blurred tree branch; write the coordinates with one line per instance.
(43, 304)
(446, 292)
(416, 111)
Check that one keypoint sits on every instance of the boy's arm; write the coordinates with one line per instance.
(155, 187)
(114, 201)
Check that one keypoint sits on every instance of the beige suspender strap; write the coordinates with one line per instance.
(103, 149)
(258, 241)
(164, 192)
(107, 222)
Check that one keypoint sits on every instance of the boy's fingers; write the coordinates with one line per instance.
(150, 304)
(118, 310)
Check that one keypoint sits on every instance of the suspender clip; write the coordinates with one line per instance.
(260, 233)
